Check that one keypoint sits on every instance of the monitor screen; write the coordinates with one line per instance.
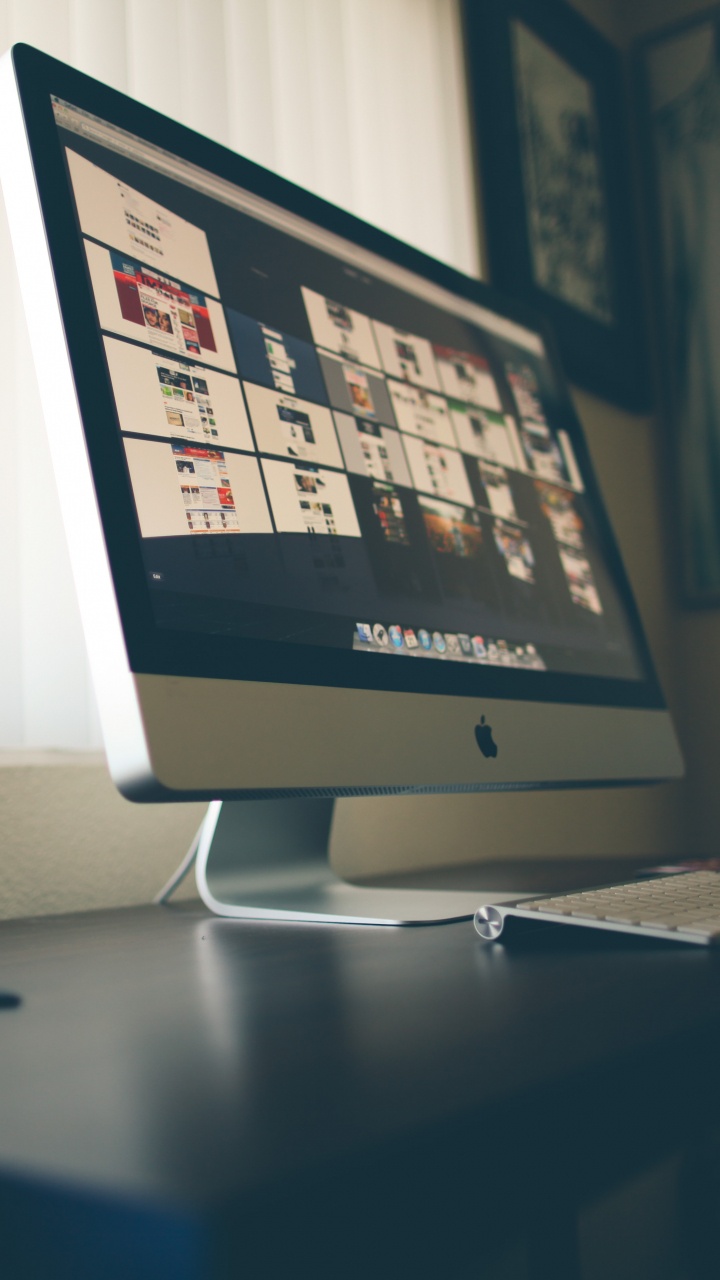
(343, 497)
(325, 449)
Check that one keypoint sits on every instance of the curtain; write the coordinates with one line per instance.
(362, 101)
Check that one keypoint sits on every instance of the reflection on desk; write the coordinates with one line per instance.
(189, 1096)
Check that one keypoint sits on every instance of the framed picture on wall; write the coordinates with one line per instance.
(679, 79)
(548, 102)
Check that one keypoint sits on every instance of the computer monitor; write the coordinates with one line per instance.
(333, 522)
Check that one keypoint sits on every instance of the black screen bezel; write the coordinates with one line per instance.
(154, 650)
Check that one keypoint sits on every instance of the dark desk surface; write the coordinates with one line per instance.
(178, 1091)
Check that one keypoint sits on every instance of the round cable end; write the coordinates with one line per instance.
(488, 922)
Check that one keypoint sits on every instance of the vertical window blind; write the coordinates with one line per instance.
(362, 101)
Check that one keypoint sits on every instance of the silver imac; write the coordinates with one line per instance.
(333, 522)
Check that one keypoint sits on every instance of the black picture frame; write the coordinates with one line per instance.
(548, 172)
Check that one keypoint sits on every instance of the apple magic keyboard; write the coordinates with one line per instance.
(682, 907)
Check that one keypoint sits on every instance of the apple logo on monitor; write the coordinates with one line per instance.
(484, 738)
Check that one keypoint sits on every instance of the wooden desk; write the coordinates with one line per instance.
(184, 1096)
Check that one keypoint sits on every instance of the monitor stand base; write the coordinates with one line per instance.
(268, 860)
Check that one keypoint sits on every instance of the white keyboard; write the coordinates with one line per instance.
(684, 908)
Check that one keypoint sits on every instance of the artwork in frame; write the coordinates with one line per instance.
(548, 102)
(678, 72)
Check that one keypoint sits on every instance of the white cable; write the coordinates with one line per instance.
(180, 872)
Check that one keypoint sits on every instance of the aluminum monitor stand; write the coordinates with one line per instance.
(268, 860)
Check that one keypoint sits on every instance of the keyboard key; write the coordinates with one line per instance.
(708, 927)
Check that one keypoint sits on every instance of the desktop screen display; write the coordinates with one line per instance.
(333, 522)
(327, 449)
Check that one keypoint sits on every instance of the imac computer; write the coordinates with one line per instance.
(333, 522)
